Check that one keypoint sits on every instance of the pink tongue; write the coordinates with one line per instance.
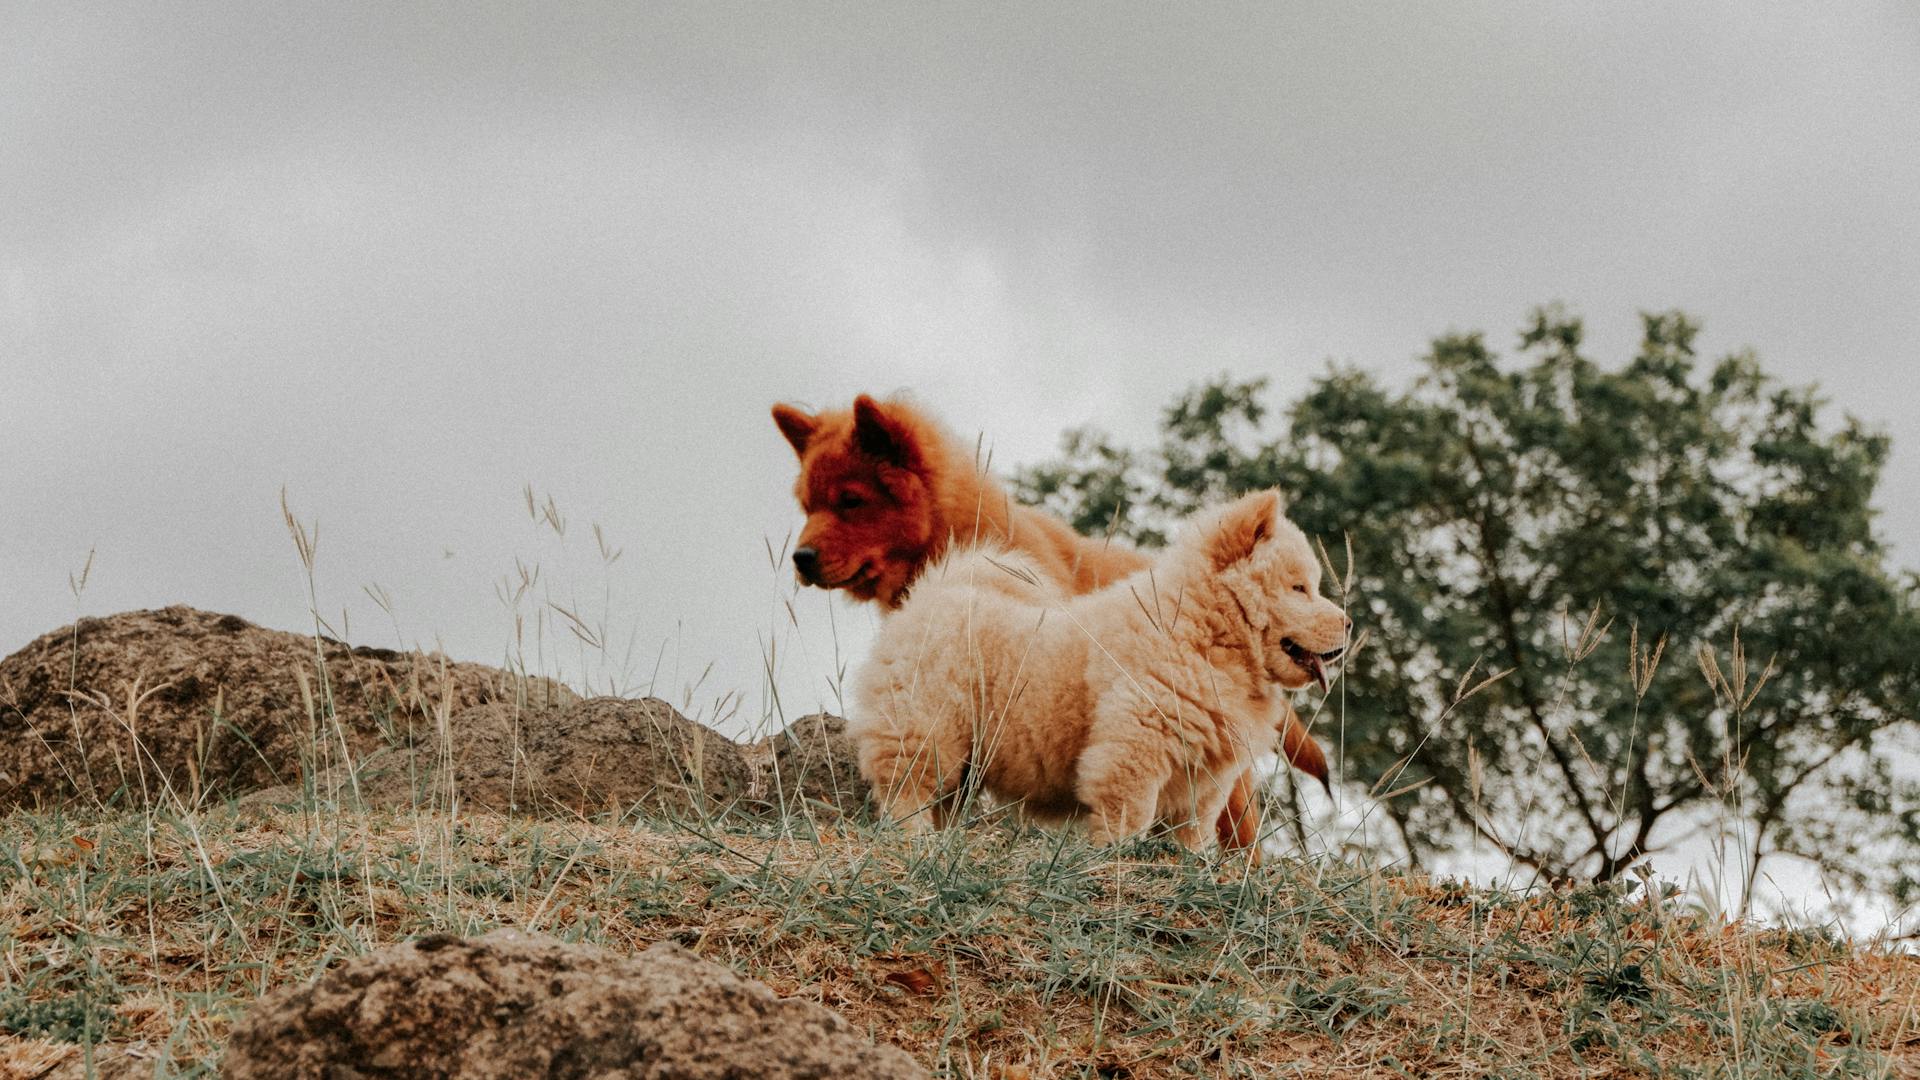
(1319, 673)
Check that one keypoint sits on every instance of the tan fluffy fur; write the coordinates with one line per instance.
(1139, 704)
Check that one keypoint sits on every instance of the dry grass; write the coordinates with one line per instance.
(989, 952)
(992, 951)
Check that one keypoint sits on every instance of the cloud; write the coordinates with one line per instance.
(406, 263)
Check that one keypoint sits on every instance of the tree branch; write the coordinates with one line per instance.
(1508, 610)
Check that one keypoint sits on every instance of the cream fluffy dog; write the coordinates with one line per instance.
(1132, 706)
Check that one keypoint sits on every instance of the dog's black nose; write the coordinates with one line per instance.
(807, 561)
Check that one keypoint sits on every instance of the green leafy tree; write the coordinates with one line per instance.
(1668, 571)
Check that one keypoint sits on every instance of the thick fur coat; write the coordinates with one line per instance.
(1138, 705)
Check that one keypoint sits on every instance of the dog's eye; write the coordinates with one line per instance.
(1300, 589)
(849, 500)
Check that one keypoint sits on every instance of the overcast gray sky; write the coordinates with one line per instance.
(406, 261)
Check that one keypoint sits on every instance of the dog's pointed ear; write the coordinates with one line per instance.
(883, 435)
(1244, 526)
(797, 426)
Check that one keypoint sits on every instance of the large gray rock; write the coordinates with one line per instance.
(811, 766)
(512, 1005)
(595, 756)
(147, 705)
(611, 753)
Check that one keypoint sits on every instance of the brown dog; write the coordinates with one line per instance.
(886, 490)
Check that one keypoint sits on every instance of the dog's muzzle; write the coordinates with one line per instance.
(806, 563)
(1313, 663)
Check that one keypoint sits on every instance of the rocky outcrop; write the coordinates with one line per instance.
(150, 707)
(811, 767)
(603, 754)
(512, 1005)
(146, 706)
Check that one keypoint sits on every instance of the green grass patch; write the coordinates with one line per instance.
(992, 951)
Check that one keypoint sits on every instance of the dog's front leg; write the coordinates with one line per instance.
(913, 770)
(1119, 784)
(1196, 831)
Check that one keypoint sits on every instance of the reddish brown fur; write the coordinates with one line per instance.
(914, 491)
(917, 501)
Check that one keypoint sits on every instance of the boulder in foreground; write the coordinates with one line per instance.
(513, 1005)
